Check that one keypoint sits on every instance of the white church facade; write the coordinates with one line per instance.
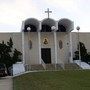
(46, 40)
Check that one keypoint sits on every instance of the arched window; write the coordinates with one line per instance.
(61, 28)
(33, 28)
(46, 28)
(47, 24)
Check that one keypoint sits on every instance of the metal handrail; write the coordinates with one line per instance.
(27, 67)
(63, 65)
(43, 64)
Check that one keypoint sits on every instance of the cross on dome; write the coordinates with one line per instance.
(48, 12)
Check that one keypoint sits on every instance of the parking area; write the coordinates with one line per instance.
(6, 83)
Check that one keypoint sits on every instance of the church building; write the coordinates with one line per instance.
(47, 41)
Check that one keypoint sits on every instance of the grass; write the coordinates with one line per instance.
(54, 80)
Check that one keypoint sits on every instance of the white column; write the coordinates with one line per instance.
(55, 41)
(39, 45)
(22, 27)
(71, 54)
(23, 52)
(56, 25)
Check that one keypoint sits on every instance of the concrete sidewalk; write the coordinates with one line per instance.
(6, 83)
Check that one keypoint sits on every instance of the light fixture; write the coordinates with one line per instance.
(53, 28)
(28, 28)
(78, 28)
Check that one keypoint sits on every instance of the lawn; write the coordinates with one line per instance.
(53, 80)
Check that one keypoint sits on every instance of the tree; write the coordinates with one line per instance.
(10, 43)
(7, 55)
(16, 55)
(83, 53)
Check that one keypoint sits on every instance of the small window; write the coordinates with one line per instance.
(30, 44)
(60, 44)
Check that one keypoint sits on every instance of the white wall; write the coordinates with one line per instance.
(63, 54)
(31, 55)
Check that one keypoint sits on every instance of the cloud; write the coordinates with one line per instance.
(60, 2)
(14, 12)
(65, 4)
(17, 11)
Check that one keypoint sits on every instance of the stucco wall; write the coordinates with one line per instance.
(31, 55)
(63, 54)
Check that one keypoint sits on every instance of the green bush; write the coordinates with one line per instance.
(83, 53)
(9, 56)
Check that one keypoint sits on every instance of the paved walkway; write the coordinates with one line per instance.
(6, 83)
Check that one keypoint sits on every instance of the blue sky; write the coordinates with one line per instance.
(13, 12)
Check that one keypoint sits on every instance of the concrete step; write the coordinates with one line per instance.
(59, 66)
(53, 67)
(50, 67)
(72, 66)
(37, 67)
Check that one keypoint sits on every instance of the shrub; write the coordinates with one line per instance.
(83, 53)
(9, 56)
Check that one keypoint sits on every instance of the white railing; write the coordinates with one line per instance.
(43, 64)
(63, 65)
(55, 65)
(27, 67)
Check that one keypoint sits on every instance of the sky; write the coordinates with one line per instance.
(13, 12)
